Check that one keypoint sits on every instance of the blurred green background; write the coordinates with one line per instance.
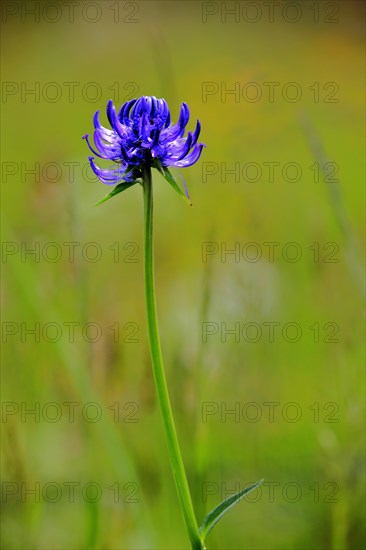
(93, 452)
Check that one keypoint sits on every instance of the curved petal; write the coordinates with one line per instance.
(111, 151)
(167, 122)
(114, 122)
(190, 159)
(136, 108)
(109, 177)
(107, 134)
(123, 114)
(178, 152)
(171, 133)
(155, 135)
(149, 105)
(196, 133)
(86, 137)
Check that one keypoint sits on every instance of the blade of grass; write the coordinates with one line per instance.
(353, 254)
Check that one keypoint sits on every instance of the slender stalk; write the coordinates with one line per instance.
(159, 375)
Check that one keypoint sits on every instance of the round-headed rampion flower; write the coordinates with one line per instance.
(141, 133)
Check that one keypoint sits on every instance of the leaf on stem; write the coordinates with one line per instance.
(216, 514)
(168, 176)
(118, 189)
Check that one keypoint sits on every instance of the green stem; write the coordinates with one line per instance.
(159, 375)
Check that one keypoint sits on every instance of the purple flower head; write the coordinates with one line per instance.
(142, 134)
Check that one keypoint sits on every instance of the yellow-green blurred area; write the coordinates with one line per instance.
(259, 284)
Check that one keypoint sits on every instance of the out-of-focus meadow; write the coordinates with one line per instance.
(89, 468)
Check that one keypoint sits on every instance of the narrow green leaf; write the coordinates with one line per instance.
(216, 514)
(118, 189)
(164, 171)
